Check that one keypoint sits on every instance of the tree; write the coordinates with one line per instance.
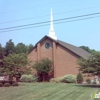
(43, 67)
(21, 48)
(9, 48)
(2, 53)
(79, 78)
(15, 65)
(30, 47)
(86, 48)
(91, 65)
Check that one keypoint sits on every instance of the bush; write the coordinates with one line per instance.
(88, 81)
(15, 84)
(55, 80)
(79, 78)
(28, 78)
(94, 82)
(6, 84)
(65, 79)
(10, 82)
(1, 84)
(68, 79)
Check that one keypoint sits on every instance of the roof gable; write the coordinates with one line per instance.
(45, 38)
(76, 50)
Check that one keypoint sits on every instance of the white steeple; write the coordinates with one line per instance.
(51, 31)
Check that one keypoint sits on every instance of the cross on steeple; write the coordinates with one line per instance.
(51, 31)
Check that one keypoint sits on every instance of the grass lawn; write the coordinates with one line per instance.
(47, 91)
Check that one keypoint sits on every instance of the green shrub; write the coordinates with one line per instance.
(28, 78)
(88, 81)
(65, 79)
(15, 84)
(55, 80)
(6, 84)
(10, 82)
(1, 84)
(68, 79)
(79, 78)
(94, 82)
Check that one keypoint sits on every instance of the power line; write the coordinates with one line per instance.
(49, 14)
(49, 24)
(63, 19)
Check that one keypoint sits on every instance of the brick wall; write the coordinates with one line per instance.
(64, 62)
(33, 57)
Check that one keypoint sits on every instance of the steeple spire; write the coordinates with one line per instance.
(51, 31)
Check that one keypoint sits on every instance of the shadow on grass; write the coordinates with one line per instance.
(89, 85)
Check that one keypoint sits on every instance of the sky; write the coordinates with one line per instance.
(73, 31)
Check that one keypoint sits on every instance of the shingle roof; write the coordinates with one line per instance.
(76, 50)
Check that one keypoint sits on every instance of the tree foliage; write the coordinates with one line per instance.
(15, 64)
(30, 47)
(9, 48)
(43, 67)
(21, 48)
(91, 65)
(2, 52)
(13, 58)
(79, 78)
(86, 48)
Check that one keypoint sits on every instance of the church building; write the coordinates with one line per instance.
(63, 55)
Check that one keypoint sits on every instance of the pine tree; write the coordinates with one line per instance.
(79, 78)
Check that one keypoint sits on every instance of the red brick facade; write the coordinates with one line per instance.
(64, 61)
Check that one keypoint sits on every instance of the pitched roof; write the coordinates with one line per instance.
(76, 50)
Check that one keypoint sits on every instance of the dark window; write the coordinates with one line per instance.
(47, 45)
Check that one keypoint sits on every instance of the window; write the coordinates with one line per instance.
(47, 45)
